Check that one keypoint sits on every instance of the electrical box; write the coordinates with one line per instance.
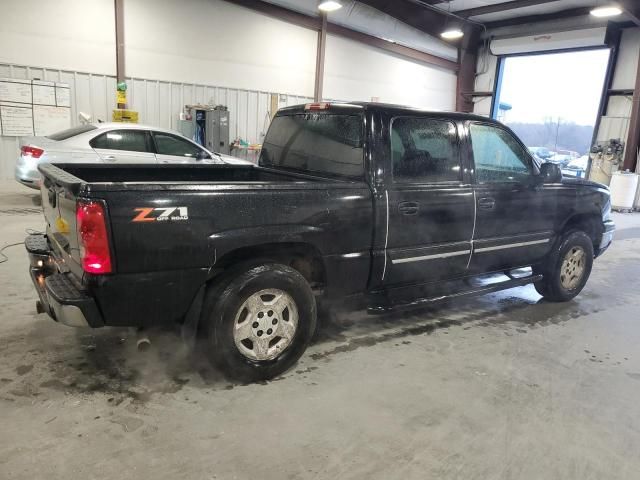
(209, 127)
(217, 131)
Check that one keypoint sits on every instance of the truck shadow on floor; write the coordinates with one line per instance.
(107, 361)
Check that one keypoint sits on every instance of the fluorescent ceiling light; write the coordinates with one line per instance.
(329, 6)
(452, 34)
(606, 11)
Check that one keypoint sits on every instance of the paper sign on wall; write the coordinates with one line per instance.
(33, 107)
(63, 95)
(15, 90)
(49, 119)
(16, 119)
(44, 93)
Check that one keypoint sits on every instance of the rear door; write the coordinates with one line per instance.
(174, 149)
(429, 202)
(515, 214)
(124, 146)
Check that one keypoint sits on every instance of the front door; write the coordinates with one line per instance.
(515, 214)
(429, 204)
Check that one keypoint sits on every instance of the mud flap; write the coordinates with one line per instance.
(189, 331)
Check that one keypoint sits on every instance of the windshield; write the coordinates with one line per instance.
(317, 143)
(70, 132)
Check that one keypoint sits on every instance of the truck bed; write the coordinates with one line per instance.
(171, 227)
(118, 176)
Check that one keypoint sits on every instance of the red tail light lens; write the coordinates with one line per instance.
(92, 236)
(34, 152)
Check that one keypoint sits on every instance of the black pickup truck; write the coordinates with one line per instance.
(387, 205)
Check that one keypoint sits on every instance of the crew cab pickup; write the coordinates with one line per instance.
(391, 206)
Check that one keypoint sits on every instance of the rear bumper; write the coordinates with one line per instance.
(27, 175)
(607, 237)
(61, 296)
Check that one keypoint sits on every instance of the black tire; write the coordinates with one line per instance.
(551, 286)
(222, 304)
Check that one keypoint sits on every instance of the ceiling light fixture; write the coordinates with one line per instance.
(610, 11)
(452, 34)
(329, 6)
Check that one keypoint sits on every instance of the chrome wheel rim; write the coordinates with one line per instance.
(573, 267)
(265, 324)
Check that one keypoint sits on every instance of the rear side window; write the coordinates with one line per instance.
(317, 143)
(128, 140)
(167, 144)
(70, 132)
(424, 150)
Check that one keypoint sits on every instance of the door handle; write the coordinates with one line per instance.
(110, 158)
(486, 203)
(408, 208)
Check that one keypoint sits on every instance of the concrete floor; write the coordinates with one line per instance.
(499, 387)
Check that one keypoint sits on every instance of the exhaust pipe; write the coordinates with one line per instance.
(142, 340)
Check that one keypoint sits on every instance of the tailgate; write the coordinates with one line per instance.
(59, 194)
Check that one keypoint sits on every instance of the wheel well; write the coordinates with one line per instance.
(303, 257)
(589, 224)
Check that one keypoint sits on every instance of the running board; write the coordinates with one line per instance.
(482, 290)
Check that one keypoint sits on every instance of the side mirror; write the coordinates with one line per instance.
(550, 173)
(202, 155)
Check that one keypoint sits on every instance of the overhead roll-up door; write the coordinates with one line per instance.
(589, 37)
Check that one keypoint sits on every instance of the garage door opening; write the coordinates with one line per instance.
(551, 101)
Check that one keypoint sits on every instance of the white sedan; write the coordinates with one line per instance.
(110, 143)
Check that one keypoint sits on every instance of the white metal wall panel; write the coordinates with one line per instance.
(158, 103)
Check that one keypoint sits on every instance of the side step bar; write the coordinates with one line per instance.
(482, 290)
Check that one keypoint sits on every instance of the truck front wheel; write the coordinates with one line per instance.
(259, 321)
(567, 268)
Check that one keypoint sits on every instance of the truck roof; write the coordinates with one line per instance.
(355, 107)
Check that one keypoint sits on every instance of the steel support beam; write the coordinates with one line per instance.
(633, 140)
(119, 16)
(467, 62)
(632, 9)
(322, 45)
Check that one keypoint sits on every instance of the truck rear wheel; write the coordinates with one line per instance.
(259, 321)
(567, 268)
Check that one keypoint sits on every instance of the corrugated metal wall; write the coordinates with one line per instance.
(158, 103)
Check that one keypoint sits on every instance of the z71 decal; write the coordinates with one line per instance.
(161, 214)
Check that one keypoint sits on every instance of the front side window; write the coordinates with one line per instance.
(424, 150)
(498, 156)
(167, 144)
(127, 140)
(317, 143)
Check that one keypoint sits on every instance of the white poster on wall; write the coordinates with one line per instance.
(63, 95)
(33, 107)
(44, 93)
(15, 90)
(16, 119)
(48, 119)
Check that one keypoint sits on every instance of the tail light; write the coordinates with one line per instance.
(92, 236)
(29, 151)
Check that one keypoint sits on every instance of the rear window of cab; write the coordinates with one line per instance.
(316, 143)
